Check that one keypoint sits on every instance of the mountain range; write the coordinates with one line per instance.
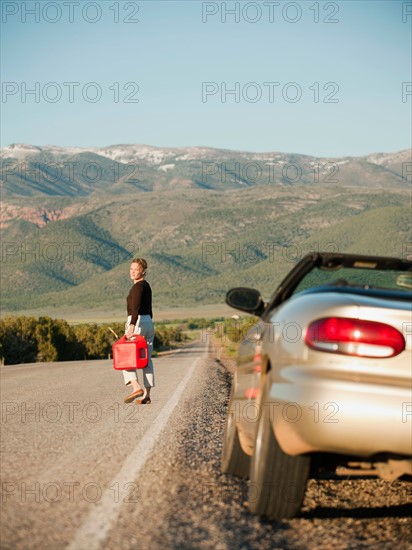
(205, 219)
(57, 171)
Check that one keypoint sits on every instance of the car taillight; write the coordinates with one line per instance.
(354, 337)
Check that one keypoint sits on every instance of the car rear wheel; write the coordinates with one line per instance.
(277, 480)
(234, 460)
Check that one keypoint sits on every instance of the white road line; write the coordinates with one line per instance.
(97, 525)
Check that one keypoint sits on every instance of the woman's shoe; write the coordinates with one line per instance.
(133, 396)
(145, 401)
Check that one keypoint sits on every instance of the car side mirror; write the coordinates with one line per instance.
(245, 299)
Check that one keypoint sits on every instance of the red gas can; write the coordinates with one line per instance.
(130, 354)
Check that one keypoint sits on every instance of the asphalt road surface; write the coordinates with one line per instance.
(81, 470)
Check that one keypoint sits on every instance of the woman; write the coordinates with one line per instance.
(139, 321)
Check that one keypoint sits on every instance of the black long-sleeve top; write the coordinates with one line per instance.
(139, 301)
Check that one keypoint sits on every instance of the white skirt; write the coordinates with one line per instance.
(144, 327)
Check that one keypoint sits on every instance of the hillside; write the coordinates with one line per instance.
(30, 171)
(74, 251)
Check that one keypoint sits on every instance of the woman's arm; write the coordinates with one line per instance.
(136, 302)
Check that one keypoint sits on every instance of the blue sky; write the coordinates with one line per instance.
(318, 78)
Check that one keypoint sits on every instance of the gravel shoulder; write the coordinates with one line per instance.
(186, 503)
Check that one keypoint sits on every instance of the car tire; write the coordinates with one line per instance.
(234, 460)
(277, 480)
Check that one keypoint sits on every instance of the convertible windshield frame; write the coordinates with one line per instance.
(331, 262)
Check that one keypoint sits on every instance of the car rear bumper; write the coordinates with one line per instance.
(312, 413)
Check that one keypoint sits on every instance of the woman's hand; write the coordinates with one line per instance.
(130, 331)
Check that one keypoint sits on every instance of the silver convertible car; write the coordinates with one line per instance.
(323, 379)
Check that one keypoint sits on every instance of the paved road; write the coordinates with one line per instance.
(73, 452)
(80, 470)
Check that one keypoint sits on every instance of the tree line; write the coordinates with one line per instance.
(35, 339)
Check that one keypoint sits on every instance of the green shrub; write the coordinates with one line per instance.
(28, 340)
